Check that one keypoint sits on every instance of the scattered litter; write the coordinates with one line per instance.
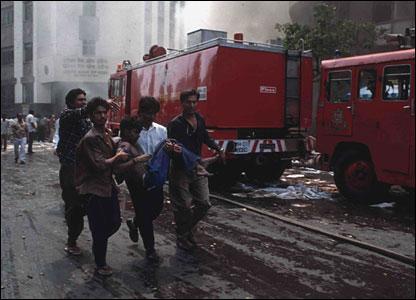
(295, 176)
(310, 171)
(384, 205)
(300, 205)
(298, 191)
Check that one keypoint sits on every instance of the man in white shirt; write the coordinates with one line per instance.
(31, 128)
(147, 204)
(5, 128)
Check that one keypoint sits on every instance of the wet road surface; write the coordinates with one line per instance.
(241, 254)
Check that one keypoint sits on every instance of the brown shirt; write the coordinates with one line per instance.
(92, 175)
(138, 170)
(19, 130)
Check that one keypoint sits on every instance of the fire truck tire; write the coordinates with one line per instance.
(356, 179)
(224, 178)
(267, 172)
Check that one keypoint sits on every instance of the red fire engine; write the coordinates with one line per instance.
(366, 122)
(256, 98)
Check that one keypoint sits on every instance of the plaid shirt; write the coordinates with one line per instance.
(73, 125)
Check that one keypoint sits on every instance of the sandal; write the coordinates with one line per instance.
(104, 271)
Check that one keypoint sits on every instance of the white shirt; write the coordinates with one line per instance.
(29, 120)
(150, 138)
(5, 126)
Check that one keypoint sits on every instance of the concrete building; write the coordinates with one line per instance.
(50, 47)
(393, 16)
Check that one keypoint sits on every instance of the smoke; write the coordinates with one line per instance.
(256, 19)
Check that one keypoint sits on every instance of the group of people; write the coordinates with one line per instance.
(147, 154)
(24, 130)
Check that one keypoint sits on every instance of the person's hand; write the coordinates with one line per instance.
(142, 158)
(169, 146)
(177, 148)
(221, 153)
(108, 131)
(114, 106)
(122, 155)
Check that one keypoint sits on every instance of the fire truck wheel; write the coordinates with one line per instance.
(356, 179)
(224, 178)
(272, 171)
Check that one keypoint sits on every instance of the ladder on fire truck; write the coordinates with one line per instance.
(293, 86)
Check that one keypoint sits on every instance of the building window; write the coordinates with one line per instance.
(28, 10)
(382, 11)
(7, 56)
(339, 86)
(396, 84)
(172, 24)
(161, 23)
(147, 25)
(28, 52)
(27, 93)
(89, 8)
(88, 48)
(7, 15)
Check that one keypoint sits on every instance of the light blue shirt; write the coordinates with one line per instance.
(150, 138)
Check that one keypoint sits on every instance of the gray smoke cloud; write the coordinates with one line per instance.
(255, 19)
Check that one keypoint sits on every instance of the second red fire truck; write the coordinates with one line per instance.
(366, 122)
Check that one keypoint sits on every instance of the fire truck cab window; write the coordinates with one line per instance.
(367, 84)
(339, 86)
(396, 83)
(117, 87)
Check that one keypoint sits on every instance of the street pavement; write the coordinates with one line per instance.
(241, 254)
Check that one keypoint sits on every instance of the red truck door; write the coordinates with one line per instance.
(395, 117)
(338, 107)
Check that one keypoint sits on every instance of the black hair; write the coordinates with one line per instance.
(72, 95)
(128, 123)
(32, 111)
(186, 94)
(148, 104)
(94, 103)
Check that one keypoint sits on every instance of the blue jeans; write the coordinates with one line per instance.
(104, 220)
(20, 153)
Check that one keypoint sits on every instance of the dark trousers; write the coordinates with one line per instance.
(74, 203)
(189, 194)
(104, 220)
(147, 206)
(30, 142)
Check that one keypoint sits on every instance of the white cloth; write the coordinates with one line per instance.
(30, 120)
(150, 138)
(55, 139)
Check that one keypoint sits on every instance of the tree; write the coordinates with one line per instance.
(328, 34)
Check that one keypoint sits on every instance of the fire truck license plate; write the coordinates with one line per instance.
(242, 146)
